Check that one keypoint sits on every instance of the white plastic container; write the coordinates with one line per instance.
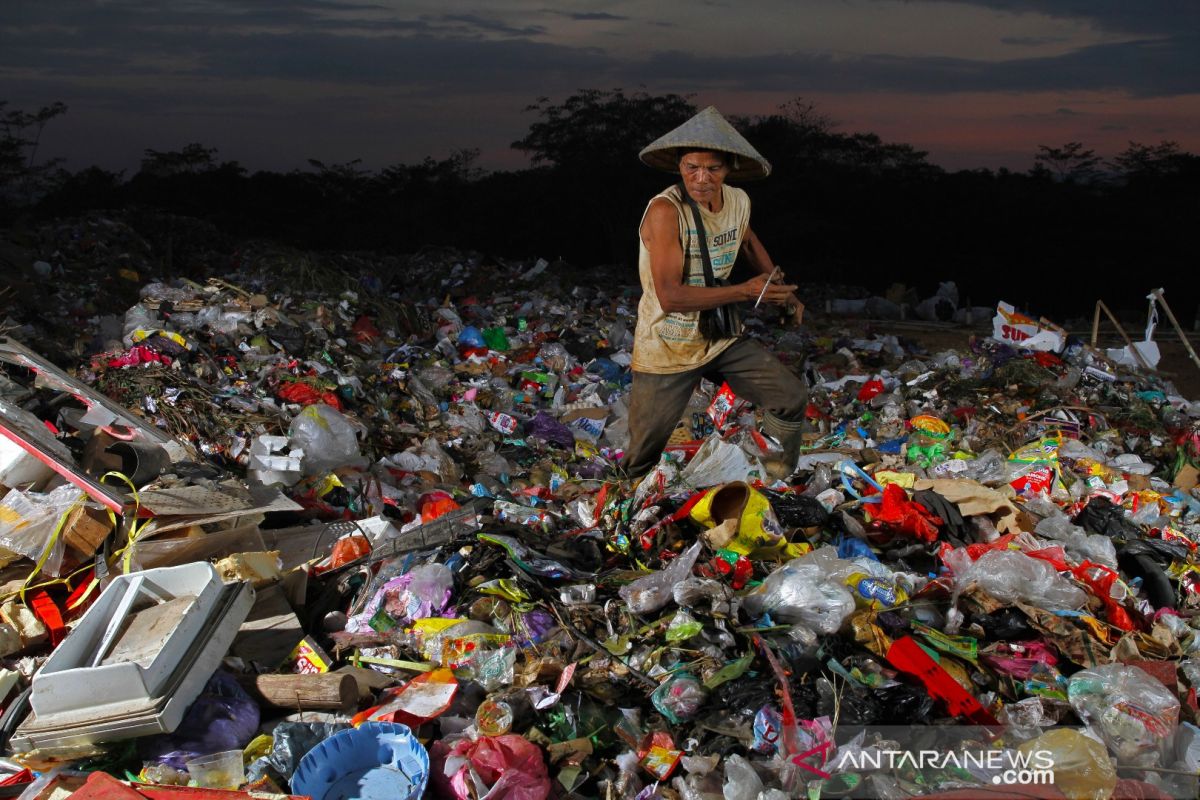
(137, 659)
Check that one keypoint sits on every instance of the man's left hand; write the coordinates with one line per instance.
(795, 312)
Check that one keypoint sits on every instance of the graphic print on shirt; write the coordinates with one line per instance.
(680, 326)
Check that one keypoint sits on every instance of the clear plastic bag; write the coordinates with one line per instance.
(990, 468)
(1133, 713)
(1082, 770)
(447, 468)
(650, 593)
(328, 438)
(707, 594)
(1074, 449)
(822, 479)
(1079, 544)
(1010, 575)
(741, 781)
(802, 592)
(719, 462)
(468, 419)
(28, 521)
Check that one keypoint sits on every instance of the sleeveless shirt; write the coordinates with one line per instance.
(669, 343)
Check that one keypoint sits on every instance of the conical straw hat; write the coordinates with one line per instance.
(708, 130)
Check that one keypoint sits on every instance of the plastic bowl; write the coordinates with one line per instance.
(375, 761)
(222, 770)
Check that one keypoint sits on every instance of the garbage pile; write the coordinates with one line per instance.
(305, 529)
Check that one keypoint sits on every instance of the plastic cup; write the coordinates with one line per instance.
(222, 770)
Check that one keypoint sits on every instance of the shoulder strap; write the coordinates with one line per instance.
(704, 257)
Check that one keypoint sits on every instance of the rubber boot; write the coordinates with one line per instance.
(791, 436)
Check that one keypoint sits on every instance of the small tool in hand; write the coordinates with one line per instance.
(770, 278)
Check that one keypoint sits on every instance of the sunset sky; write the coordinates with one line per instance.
(271, 83)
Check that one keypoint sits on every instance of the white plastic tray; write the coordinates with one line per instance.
(121, 673)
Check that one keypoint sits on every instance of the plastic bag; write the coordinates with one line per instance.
(469, 419)
(680, 697)
(650, 593)
(425, 697)
(719, 462)
(328, 438)
(706, 594)
(223, 717)
(683, 626)
(447, 468)
(800, 511)
(544, 426)
(1010, 575)
(741, 519)
(1080, 545)
(1104, 517)
(989, 468)
(1082, 770)
(802, 592)
(423, 592)
(493, 464)
(505, 767)
(1133, 713)
(292, 741)
(900, 515)
(741, 781)
(28, 521)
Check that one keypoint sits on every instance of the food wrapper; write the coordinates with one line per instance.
(723, 405)
(874, 593)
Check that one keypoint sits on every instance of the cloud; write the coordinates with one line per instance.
(1068, 112)
(1142, 68)
(1166, 17)
(586, 16)
(473, 22)
(1032, 41)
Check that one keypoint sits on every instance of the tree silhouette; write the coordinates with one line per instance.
(600, 128)
(1071, 162)
(591, 140)
(1152, 161)
(22, 178)
(193, 158)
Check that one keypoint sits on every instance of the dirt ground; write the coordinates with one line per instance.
(1175, 365)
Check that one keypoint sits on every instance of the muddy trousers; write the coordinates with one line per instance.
(658, 401)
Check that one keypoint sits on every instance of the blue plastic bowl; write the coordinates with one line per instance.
(376, 761)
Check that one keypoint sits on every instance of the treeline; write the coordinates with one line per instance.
(839, 207)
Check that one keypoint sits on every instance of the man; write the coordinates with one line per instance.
(670, 353)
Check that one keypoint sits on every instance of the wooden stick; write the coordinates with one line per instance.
(1096, 324)
(1129, 342)
(1178, 328)
(307, 692)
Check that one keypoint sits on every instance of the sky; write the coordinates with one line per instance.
(273, 83)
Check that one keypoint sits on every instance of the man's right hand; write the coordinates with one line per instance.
(777, 293)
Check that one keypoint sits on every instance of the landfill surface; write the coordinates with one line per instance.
(341, 525)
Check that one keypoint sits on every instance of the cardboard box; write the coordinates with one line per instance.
(85, 530)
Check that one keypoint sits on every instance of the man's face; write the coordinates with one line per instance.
(703, 173)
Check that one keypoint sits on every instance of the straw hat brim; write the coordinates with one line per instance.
(708, 130)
